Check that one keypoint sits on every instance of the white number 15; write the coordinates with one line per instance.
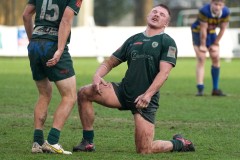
(48, 6)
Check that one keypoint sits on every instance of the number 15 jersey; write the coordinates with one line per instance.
(48, 16)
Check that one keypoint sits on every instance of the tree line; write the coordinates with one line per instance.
(11, 10)
(105, 11)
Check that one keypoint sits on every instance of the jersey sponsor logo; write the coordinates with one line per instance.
(135, 56)
(41, 30)
(138, 43)
(154, 44)
(172, 52)
(78, 3)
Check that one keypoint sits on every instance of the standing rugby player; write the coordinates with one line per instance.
(212, 15)
(50, 61)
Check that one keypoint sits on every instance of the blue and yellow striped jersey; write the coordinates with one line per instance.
(205, 15)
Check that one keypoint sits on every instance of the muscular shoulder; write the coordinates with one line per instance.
(132, 39)
(135, 37)
(166, 39)
(205, 10)
(226, 12)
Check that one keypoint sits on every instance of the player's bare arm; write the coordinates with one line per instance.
(215, 45)
(63, 33)
(143, 100)
(27, 19)
(203, 36)
(223, 27)
(106, 66)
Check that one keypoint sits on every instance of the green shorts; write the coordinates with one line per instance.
(148, 113)
(39, 52)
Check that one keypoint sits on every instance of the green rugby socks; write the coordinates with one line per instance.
(88, 135)
(38, 136)
(53, 136)
(177, 145)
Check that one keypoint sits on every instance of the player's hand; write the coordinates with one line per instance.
(142, 101)
(97, 80)
(55, 59)
(203, 48)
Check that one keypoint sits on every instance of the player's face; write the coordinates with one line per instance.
(158, 18)
(216, 7)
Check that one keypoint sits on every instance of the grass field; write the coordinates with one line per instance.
(212, 123)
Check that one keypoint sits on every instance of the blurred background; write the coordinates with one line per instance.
(122, 12)
(129, 16)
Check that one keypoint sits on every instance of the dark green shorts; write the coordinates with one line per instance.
(148, 113)
(39, 52)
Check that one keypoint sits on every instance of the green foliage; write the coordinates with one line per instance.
(212, 123)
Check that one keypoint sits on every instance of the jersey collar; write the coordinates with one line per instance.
(145, 34)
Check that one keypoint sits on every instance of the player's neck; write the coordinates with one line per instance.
(152, 32)
(219, 14)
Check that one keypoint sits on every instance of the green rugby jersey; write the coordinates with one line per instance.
(143, 55)
(48, 17)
